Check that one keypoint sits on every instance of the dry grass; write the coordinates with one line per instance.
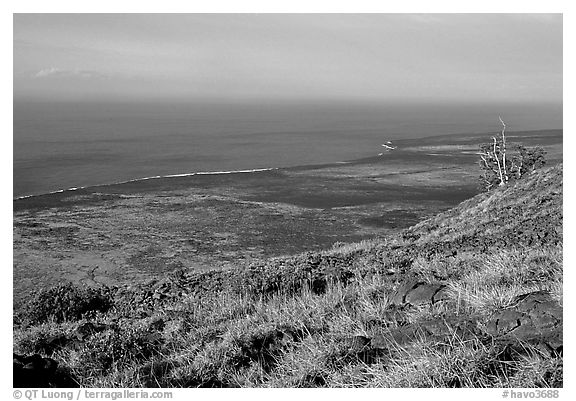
(507, 274)
(274, 325)
(229, 340)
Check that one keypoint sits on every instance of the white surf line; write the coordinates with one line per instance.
(256, 170)
(50, 193)
(151, 178)
(155, 177)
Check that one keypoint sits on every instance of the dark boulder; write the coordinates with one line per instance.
(362, 348)
(418, 293)
(36, 371)
(534, 318)
(433, 330)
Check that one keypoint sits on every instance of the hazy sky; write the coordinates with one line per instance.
(389, 57)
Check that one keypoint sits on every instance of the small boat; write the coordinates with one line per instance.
(388, 146)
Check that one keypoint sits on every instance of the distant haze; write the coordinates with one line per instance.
(500, 58)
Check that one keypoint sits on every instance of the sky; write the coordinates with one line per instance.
(236, 57)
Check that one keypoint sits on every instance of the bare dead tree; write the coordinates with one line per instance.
(498, 169)
(503, 150)
(493, 160)
(495, 153)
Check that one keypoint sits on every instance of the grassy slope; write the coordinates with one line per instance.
(334, 318)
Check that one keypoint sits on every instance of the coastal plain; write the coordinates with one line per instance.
(131, 232)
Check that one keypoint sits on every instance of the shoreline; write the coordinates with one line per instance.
(93, 188)
(156, 177)
(140, 229)
(366, 159)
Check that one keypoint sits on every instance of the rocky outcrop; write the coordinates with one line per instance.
(533, 322)
(535, 318)
(36, 371)
(417, 292)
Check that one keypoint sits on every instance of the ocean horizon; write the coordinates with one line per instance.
(59, 146)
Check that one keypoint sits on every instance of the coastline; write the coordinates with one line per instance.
(142, 229)
(406, 143)
(146, 179)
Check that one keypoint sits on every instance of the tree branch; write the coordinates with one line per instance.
(498, 161)
(504, 149)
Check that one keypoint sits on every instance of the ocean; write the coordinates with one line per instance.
(59, 146)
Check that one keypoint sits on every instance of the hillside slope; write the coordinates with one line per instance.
(469, 298)
(524, 214)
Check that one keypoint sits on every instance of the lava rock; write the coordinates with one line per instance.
(418, 293)
(36, 371)
(534, 318)
(423, 294)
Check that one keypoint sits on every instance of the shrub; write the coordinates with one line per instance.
(498, 168)
(527, 160)
(119, 348)
(67, 302)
